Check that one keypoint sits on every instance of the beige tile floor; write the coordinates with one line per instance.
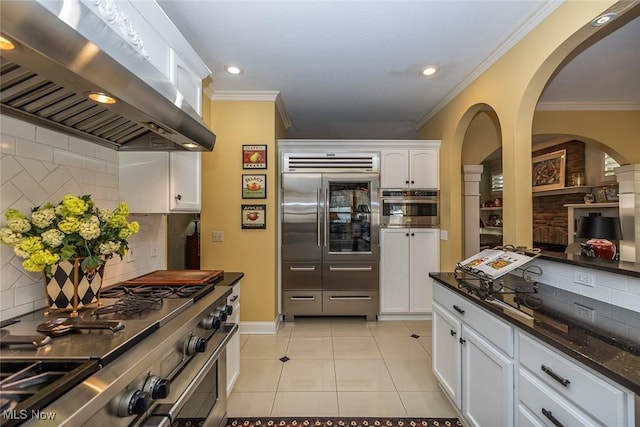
(339, 367)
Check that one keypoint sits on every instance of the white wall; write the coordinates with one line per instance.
(39, 165)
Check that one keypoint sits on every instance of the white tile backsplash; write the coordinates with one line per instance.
(40, 165)
(617, 289)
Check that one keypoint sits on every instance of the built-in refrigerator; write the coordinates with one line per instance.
(330, 251)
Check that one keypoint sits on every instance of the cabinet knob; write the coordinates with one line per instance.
(406, 182)
(178, 197)
(453, 333)
(462, 340)
(413, 182)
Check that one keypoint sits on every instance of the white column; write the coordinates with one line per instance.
(629, 190)
(472, 176)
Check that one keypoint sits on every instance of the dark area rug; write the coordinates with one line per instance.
(342, 422)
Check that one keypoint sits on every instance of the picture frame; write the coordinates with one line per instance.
(254, 217)
(254, 156)
(601, 195)
(612, 193)
(548, 171)
(254, 186)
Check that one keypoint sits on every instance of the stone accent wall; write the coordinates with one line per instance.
(549, 214)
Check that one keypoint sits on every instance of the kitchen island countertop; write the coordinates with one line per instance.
(609, 345)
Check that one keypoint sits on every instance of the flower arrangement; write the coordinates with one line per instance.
(75, 228)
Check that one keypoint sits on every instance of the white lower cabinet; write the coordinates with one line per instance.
(474, 365)
(559, 391)
(493, 382)
(407, 257)
(233, 347)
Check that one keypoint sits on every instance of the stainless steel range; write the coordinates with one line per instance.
(153, 353)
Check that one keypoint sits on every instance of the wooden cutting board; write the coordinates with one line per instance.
(177, 277)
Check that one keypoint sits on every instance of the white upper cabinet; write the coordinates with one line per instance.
(162, 182)
(412, 168)
(156, 38)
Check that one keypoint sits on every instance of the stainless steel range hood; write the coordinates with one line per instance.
(60, 57)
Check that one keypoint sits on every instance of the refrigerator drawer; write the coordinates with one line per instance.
(350, 303)
(351, 276)
(306, 303)
(301, 275)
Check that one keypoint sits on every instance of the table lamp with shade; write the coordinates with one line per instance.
(600, 230)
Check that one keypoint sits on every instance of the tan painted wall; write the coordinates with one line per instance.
(511, 87)
(251, 251)
(618, 130)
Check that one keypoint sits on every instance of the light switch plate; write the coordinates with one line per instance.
(218, 236)
(444, 235)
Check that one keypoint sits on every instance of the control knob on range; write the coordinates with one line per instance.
(133, 402)
(229, 309)
(212, 321)
(157, 387)
(196, 345)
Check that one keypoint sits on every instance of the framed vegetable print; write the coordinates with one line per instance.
(254, 216)
(254, 157)
(548, 171)
(254, 186)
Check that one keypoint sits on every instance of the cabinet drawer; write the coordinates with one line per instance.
(548, 405)
(234, 297)
(301, 275)
(495, 330)
(350, 303)
(302, 303)
(526, 418)
(351, 276)
(601, 399)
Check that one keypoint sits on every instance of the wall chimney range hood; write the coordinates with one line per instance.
(63, 52)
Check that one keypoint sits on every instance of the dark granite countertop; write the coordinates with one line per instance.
(618, 267)
(230, 279)
(610, 344)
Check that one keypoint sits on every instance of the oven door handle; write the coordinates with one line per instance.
(164, 411)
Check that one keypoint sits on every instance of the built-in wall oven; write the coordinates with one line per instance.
(409, 208)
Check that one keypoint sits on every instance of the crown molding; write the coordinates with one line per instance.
(245, 95)
(510, 41)
(254, 95)
(587, 106)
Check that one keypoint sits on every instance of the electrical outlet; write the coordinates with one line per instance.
(583, 278)
(584, 312)
(154, 252)
(218, 236)
(130, 257)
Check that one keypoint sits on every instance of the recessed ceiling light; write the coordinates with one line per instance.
(6, 44)
(102, 98)
(233, 69)
(603, 19)
(429, 71)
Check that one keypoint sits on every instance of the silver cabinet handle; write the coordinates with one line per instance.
(302, 269)
(326, 215)
(349, 298)
(302, 298)
(331, 268)
(318, 219)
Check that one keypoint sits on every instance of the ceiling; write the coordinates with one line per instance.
(351, 69)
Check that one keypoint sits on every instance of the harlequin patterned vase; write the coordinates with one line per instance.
(69, 288)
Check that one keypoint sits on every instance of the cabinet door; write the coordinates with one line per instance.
(487, 382)
(394, 169)
(144, 181)
(394, 270)
(447, 365)
(425, 258)
(185, 172)
(423, 168)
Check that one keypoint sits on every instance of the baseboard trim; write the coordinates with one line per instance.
(259, 328)
(383, 317)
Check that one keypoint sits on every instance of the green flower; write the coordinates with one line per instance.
(75, 227)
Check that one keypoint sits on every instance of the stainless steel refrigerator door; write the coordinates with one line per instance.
(302, 217)
(351, 217)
